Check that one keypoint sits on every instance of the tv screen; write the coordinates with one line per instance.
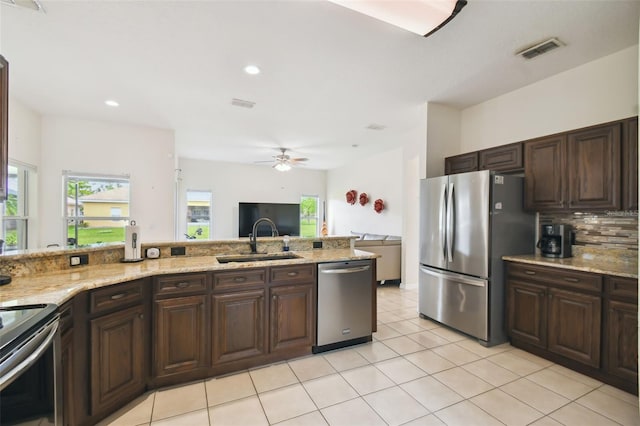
(285, 216)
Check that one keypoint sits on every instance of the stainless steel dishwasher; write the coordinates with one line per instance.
(344, 304)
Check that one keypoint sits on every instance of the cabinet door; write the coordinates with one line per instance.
(68, 388)
(4, 126)
(545, 173)
(630, 166)
(505, 158)
(461, 163)
(622, 336)
(291, 317)
(594, 167)
(574, 326)
(238, 325)
(180, 335)
(527, 313)
(117, 359)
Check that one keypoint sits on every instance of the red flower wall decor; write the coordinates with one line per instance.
(378, 205)
(364, 198)
(351, 196)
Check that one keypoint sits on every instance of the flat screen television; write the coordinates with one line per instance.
(285, 216)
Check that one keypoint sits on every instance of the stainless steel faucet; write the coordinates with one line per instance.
(252, 236)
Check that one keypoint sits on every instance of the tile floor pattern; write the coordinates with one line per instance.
(415, 372)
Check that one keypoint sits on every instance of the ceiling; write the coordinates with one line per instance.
(327, 72)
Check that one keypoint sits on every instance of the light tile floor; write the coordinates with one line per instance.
(415, 372)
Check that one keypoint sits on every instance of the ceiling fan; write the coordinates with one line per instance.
(283, 161)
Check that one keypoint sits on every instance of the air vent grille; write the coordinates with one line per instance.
(540, 48)
(241, 103)
(374, 126)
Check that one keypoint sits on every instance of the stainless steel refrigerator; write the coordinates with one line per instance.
(468, 221)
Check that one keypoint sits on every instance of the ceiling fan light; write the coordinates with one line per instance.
(422, 17)
(282, 167)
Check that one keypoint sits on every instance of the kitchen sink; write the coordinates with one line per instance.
(256, 257)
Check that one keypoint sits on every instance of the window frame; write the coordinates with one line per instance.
(186, 219)
(24, 172)
(317, 216)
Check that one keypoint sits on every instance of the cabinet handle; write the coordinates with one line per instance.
(118, 296)
(141, 316)
(240, 279)
(571, 280)
(182, 284)
(529, 272)
(292, 273)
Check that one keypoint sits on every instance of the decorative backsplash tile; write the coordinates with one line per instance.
(600, 230)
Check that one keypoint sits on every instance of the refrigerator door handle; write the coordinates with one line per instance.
(443, 222)
(457, 277)
(450, 223)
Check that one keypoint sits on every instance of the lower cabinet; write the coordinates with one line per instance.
(291, 315)
(238, 330)
(117, 358)
(571, 318)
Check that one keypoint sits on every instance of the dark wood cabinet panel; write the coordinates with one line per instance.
(545, 173)
(180, 330)
(117, 359)
(291, 317)
(67, 376)
(4, 126)
(116, 296)
(574, 326)
(239, 280)
(505, 158)
(461, 163)
(527, 313)
(594, 167)
(622, 339)
(292, 274)
(180, 284)
(238, 325)
(630, 165)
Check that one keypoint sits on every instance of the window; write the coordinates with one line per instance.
(198, 215)
(15, 220)
(309, 220)
(96, 208)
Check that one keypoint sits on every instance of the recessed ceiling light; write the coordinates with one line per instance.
(252, 69)
(111, 103)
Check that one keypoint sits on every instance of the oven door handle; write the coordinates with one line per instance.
(26, 355)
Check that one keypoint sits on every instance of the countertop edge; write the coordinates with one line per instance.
(577, 264)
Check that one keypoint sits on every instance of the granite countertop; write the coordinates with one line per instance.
(595, 265)
(58, 287)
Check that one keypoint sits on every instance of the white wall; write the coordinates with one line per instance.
(25, 127)
(145, 153)
(380, 176)
(233, 183)
(599, 91)
(443, 136)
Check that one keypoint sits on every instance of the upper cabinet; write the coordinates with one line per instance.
(505, 158)
(4, 125)
(594, 168)
(545, 173)
(461, 163)
(630, 165)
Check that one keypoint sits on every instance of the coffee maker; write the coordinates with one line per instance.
(555, 241)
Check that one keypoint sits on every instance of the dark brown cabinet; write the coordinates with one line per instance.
(291, 317)
(574, 325)
(67, 363)
(238, 325)
(527, 315)
(621, 325)
(461, 163)
(504, 158)
(4, 125)
(117, 358)
(545, 173)
(594, 168)
(630, 165)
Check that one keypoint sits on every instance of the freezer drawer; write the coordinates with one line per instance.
(459, 301)
(344, 302)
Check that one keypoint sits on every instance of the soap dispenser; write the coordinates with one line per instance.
(285, 243)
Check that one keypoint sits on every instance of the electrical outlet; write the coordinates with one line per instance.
(80, 259)
(177, 251)
(317, 244)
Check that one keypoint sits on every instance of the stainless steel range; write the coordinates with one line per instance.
(30, 389)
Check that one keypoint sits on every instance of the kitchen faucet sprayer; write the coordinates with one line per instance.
(254, 232)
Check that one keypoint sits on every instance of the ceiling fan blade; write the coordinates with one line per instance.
(298, 160)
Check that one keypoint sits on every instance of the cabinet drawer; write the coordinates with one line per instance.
(292, 273)
(115, 296)
(180, 284)
(234, 280)
(622, 287)
(556, 276)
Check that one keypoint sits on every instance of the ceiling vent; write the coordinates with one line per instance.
(374, 126)
(242, 104)
(540, 48)
(28, 4)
